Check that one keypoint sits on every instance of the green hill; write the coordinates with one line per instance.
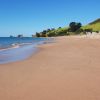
(95, 25)
(61, 31)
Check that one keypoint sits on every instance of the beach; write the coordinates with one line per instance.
(68, 69)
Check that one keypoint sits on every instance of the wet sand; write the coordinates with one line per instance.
(66, 70)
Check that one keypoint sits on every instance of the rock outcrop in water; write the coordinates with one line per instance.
(20, 36)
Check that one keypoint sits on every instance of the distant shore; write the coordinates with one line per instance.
(68, 69)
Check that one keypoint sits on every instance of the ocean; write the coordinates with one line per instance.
(16, 49)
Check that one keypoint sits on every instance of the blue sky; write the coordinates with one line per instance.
(30, 16)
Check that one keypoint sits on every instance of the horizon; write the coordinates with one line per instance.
(28, 17)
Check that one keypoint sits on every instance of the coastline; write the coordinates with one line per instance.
(65, 70)
(20, 51)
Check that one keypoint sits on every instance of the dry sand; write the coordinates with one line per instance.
(66, 70)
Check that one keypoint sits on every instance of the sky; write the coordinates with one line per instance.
(29, 16)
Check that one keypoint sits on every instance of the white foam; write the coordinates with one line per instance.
(12, 47)
(15, 45)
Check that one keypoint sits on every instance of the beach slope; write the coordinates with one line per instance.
(66, 70)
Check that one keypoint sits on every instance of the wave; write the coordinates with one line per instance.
(14, 46)
(11, 47)
(18, 45)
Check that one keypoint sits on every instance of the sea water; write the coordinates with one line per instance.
(16, 49)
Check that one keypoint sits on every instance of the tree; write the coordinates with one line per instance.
(74, 26)
(59, 28)
(38, 34)
(44, 33)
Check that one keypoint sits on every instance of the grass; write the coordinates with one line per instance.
(95, 26)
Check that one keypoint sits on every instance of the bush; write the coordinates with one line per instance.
(88, 30)
(52, 34)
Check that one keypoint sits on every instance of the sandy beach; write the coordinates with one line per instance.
(68, 69)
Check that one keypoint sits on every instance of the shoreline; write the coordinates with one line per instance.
(21, 51)
(65, 70)
(11, 55)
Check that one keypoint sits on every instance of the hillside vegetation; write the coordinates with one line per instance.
(74, 28)
(95, 25)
